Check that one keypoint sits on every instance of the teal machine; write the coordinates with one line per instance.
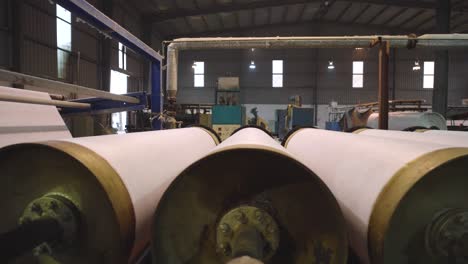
(227, 115)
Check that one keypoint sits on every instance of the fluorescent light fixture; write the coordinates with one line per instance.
(358, 48)
(331, 66)
(416, 66)
(253, 49)
(252, 65)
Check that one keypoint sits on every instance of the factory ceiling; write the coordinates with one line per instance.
(179, 18)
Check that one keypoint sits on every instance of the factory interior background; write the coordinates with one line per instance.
(83, 71)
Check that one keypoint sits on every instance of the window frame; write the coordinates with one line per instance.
(357, 73)
(63, 51)
(195, 74)
(432, 75)
(275, 73)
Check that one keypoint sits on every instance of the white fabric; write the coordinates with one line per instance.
(21, 122)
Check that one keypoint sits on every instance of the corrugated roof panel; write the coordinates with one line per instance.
(180, 26)
(245, 17)
(354, 11)
(428, 26)
(387, 14)
(310, 11)
(166, 28)
(293, 12)
(277, 14)
(164, 5)
(213, 21)
(336, 10)
(404, 16)
(229, 20)
(371, 12)
(197, 23)
(261, 16)
(205, 3)
(419, 19)
(185, 4)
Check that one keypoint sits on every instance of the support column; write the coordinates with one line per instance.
(440, 93)
(384, 53)
(18, 37)
(106, 49)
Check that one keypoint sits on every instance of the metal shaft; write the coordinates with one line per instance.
(27, 236)
(40, 101)
(384, 52)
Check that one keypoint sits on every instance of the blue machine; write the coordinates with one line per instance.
(89, 13)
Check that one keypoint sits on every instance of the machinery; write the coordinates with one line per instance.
(452, 138)
(89, 200)
(248, 198)
(404, 201)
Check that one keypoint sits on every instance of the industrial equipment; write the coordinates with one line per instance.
(404, 201)
(89, 200)
(405, 120)
(226, 119)
(248, 197)
(456, 139)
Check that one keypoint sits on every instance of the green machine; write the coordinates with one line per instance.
(227, 118)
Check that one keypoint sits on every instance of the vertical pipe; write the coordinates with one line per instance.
(384, 51)
(156, 95)
(440, 92)
(394, 66)
(315, 90)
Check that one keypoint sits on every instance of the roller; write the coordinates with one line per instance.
(404, 201)
(20, 122)
(248, 201)
(89, 200)
(404, 120)
(440, 137)
(444, 132)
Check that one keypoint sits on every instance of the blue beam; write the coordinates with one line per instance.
(89, 13)
(106, 106)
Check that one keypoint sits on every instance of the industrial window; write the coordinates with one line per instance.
(64, 40)
(428, 81)
(118, 85)
(199, 74)
(277, 79)
(122, 57)
(358, 74)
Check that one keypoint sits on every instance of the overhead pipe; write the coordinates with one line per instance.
(398, 41)
(99, 192)
(404, 201)
(248, 201)
(40, 101)
(457, 139)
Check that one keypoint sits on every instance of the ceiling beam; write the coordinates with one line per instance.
(220, 8)
(237, 31)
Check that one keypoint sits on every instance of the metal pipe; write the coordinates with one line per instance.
(384, 52)
(398, 41)
(40, 101)
(15, 77)
(28, 236)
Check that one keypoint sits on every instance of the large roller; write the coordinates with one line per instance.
(90, 200)
(457, 139)
(444, 132)
(248, 201)
(404, 201)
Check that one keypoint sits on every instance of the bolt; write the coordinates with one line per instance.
(239, 216)
(270, 229)
(225, 228)
(259, 215)
(53, 205)
(36, 208)
(225, 249)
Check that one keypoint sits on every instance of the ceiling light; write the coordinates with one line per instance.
(252, 65)
(416, 66)
(331, 66)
